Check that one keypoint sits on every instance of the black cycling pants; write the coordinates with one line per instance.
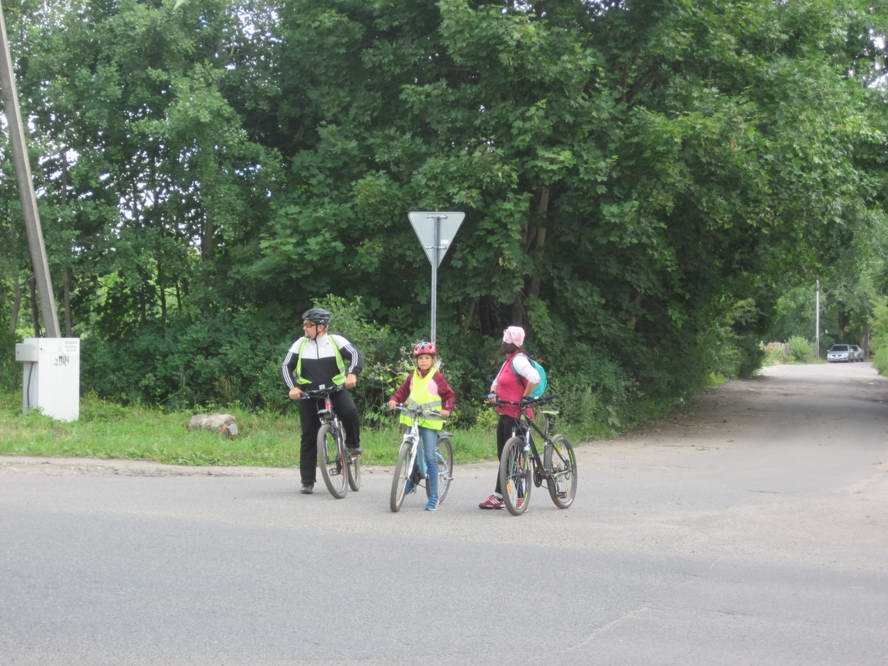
(505, 428)
(344, 406)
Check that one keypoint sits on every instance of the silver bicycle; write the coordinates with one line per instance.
(406, 467)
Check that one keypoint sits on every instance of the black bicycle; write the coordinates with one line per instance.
(521, 467)
(338, 467)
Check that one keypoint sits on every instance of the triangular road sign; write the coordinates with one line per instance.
(424, 226)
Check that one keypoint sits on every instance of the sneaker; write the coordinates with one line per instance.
(519, 503)
(431, 506)
(355, 452)
(492, 502)
(307, 488)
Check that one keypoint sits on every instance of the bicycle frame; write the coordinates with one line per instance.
(330, 417)
(524, 429)
(412, 433)
(521, 467)
(326, 415)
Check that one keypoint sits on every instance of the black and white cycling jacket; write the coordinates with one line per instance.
(319, 361)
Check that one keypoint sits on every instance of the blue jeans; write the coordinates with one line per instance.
(428, 447)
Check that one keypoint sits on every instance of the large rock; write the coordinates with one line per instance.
(224, 424)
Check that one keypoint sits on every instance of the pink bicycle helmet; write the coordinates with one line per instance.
(423, 347)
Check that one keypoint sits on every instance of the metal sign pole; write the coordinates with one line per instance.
(435, 240)
(436, 259)
(26, 186)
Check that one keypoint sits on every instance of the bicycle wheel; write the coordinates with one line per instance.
(399, 480)
(354, 470)
(445, 467)
(561, 471)
(330, 460)
(515, 476)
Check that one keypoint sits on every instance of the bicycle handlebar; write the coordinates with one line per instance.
(320, 393)
(419, 411)
(526, 402)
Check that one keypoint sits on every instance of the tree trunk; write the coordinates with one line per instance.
(636, 303)
(66, 271)
(161, 292)
(66, 298)
(207, 249)
(540, 219)
(35, 314)
(518, 310)
(16, 304)
(534, 245)
(178, 297)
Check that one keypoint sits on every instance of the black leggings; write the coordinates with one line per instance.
(504, 429)
(345, 408)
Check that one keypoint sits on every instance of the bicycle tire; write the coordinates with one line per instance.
(445, 467)
(560, 464)
(399, 480)
(331, 459)
(515, 474)
(354, 471)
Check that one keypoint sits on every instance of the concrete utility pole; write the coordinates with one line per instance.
(817, 319)
(26, 186)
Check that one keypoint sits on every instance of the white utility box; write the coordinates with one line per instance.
(51, 377)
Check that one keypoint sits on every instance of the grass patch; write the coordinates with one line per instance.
(109, 430)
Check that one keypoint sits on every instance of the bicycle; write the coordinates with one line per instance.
(339, 468)
(521, 467)
(407, 454)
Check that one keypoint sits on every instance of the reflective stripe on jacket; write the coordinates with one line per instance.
(338, 380)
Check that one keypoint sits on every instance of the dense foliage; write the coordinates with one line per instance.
(642, 180)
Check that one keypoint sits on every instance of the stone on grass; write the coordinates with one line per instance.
(224, 424)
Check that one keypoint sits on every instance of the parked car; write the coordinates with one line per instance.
(857, 352)
(839, 354)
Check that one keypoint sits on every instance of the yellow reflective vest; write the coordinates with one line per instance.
(424, 393)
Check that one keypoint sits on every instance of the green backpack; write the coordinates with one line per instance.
(540, 389)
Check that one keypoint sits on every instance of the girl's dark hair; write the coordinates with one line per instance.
(507, 348)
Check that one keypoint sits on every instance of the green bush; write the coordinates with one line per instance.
(879, 336)
(10, 371)
(880, 360)
(798, 349)
(774, 353)
(217, 359)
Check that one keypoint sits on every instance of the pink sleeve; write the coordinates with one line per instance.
(403, 391)
(448, 397)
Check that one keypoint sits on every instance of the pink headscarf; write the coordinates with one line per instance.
(514, 335)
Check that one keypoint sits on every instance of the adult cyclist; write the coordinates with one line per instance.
(319, 360)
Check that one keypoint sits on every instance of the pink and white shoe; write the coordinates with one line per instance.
(492, 502)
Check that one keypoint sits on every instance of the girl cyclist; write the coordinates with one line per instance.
(426, 387)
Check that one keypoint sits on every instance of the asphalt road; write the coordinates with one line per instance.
(751, 530)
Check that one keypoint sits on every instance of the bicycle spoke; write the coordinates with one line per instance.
(515, 476)
(330, 460)
(561, 470)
